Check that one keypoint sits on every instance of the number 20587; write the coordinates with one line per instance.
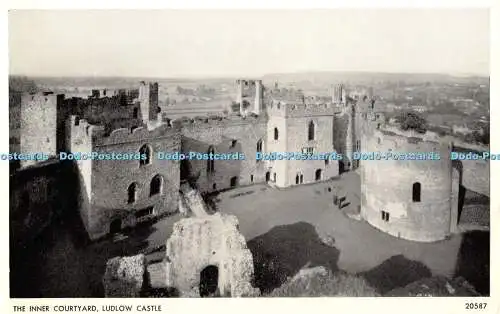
(475, 306)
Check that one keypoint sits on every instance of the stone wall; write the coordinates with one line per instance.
(214, 240)
(14, 121)
(111, 179)
(278, 169)
(291, 122)
(38, 194)
(297, 141)
(124, 277)
(79, 139)
(200, 136)
(38, 125)
(476, 176)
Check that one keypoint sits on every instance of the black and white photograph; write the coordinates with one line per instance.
(341, 152)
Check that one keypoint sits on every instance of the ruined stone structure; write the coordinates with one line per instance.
(148, 99)
(250, 96)
(229, 136)
(124, 277)
(122, 193)
(35, 122)
(208, 256)
(339, 94)
(411, 199)
(119, 194)
(205, 256)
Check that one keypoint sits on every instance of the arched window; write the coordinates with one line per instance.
(275, 134)
(259, 146)
(132, 193)
(156, 186)
(146, 151)
(211, 161)
(416, 192)
(310, 131)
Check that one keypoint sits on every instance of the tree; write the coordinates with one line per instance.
(413, 121)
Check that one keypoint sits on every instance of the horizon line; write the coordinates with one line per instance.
(200, 77)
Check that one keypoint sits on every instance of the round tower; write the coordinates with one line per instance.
(410, 199)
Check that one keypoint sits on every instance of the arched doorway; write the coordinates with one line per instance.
(341, 167)
(234, 182)
(115, 226)
(317, 175)
(209, 281)
(268, 176)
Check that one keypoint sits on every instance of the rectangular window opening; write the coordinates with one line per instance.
(385, 216)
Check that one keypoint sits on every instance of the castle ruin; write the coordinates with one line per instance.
(119, 194)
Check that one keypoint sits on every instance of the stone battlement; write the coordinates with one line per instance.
(391, 138)
(80, 128)
(220, 121)
(39, 97)
(302, 107)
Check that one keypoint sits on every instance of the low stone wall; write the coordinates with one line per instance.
(476, 176)
(124, 277)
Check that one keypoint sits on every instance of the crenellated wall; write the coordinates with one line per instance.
(306, 106)
(106, 182)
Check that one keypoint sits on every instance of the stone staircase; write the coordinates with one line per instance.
(192, 201)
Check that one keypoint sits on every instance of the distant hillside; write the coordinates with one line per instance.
(370, 77)
(22, 84)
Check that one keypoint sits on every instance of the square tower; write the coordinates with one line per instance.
(301, 127)
(148, 101)
(38, 127)
(249, 96)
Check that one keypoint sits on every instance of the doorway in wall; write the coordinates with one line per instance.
(115, 226)
(341, 167)
(234, 182)
(209, 281)
(317, 175)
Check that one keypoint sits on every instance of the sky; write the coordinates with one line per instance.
(233, 43)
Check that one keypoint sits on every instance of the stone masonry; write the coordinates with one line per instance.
(198, 242)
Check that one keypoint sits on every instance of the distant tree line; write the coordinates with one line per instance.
(201, 90)
(410, 120)
(22, 84)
